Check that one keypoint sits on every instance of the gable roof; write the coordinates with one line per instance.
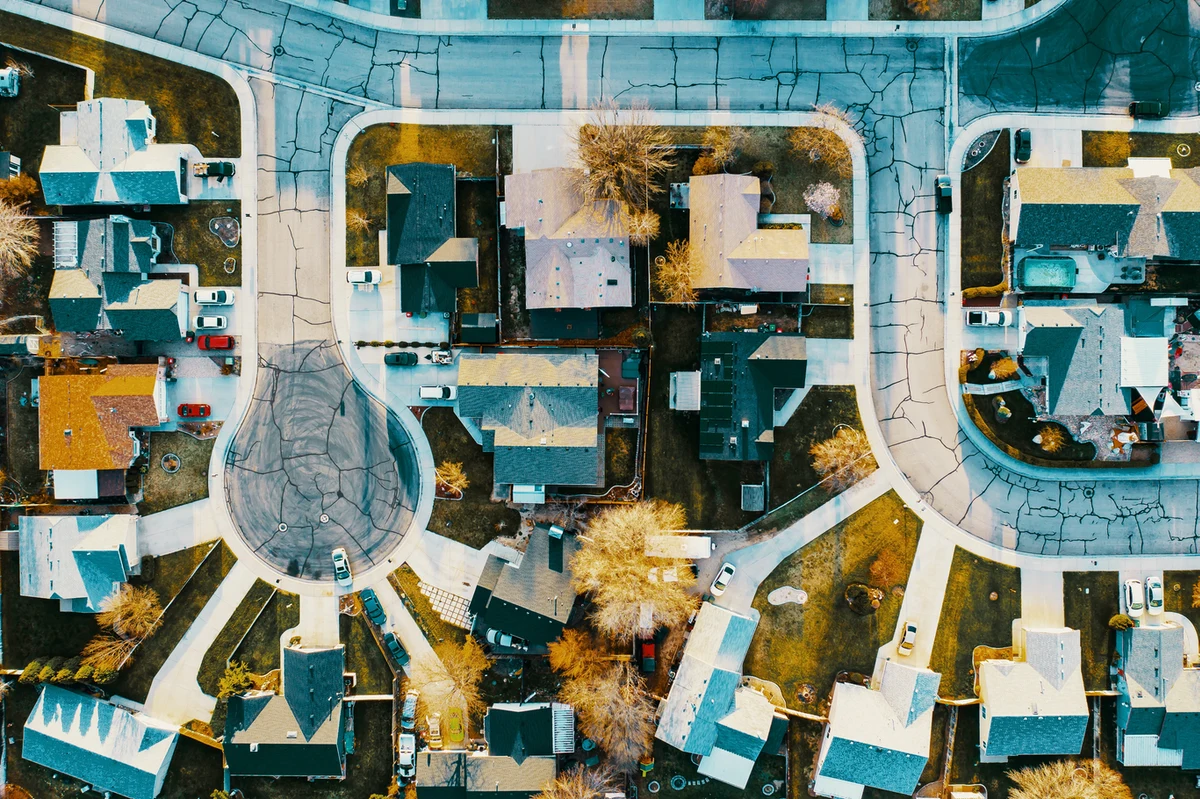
(533, 599)
(461, 774)
(99, 743)
(730, 249)
(84, 419)
(520, 730)
(1082, 346)
(741, 736)
(147, 310)
(76, 557)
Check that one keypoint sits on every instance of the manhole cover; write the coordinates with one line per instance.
(324, 518)
(911, 45)
(1184, 149)
(170, 463)
(278, 49)
(282, 527)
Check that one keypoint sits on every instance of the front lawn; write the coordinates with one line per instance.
(34, 628)
(981, 200)
(821, 412)
(827, 321)
(134, 682)
(1178, 588)
(1090, 599)
(1114, 148)
(407, 584)
(669, 761)
(193, 243)
(764, 9)
(972, 617)
(570, 9)
(259, 650)
(190, 105)
(1015, 434)
(956, 10)
(473, 520)
(809, 644)
(161, 490)
(364, 657)
(212, 668)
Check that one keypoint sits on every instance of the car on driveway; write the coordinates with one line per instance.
(193, 410)
(214, 297)
(215, 342)
(400, 359)
(1135, 601)
(945, 201)
(908, 639)
(1147, 109)
(371, 606)
(213, 169)
(210, 322)
(989, 318)
(721, 581)
(438, 392)
(364, 277)
(1022, 145)
(341, 567)
(396, 649)
(433, 731)
(406, 757)
(408, 715)
(454, 725)
(1154, 596)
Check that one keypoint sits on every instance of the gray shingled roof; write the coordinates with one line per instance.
(1083, 358)
(534, 599)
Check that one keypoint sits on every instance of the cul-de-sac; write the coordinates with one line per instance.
(600, 399)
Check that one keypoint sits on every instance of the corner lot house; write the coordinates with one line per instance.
(78, 560)
(107, 155)
(1158, 703)
(86, 421)
(108, 747)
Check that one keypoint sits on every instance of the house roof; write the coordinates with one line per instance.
(421, 216)
(1158, 695)
(576, 253)
(741, 736)
(99, 743)
(471, 774)
(75, 301)
(533, 598)
(1082, 345)
(145, 310)
(539, 412)
(76, 557)
(520, 730)
(84, 419)
(730, 249)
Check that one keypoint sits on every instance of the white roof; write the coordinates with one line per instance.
(1047, 681)
(1144, 362)
(55, 550)
(726, 767)
(76, 484)
(685, 391)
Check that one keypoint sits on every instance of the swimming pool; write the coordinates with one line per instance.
(1045, 273)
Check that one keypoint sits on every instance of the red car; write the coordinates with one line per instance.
(194, 410)
(215, 342)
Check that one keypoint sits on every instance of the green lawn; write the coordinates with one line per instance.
(364, 657)
(436, 630)
(1090, 599)
(148, 658)
(34, 628)
(193, 243)
(811, 643)
(212, 668)
(473, 520)
(169, 88)
(981, 197)
(570, 9)
(260, 648)
(669, 761)
(970, 618)
(189, 484)
(819, 414)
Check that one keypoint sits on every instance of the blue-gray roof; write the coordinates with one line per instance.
(876, 766)
(1036, 735)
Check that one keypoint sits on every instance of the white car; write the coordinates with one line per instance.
(909, 639)
(10, 81)
(438, 392)
(721, 581)
(1134, 599)
(341, 568)
(365, 277)
(210, 322)
(1154, 596)
(214, 297)
(406, 761)
(989, 318)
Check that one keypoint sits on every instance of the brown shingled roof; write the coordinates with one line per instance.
(84, 419)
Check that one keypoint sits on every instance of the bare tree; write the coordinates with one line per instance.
(132, 612)
(357, 176)
(1068, 779)
(642, 226)
(676, 278)
(614, 711)
(107, 652)
(18, 242)
(451, 678)
(628, 587)
(845, 458)
(581, 783)
(819, 142)
(824, 199)
(624, 154)
(574, 653)
(724, 144)
(19, 190)
(22, 67)
(451, 475)
(357, 221)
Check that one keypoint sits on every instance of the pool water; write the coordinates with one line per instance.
(1045, 273)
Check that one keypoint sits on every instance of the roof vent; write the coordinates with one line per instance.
(292, 734)
(254, 747)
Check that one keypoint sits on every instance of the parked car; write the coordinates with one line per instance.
(646, 650)
(10, 81)
(396, 649)
(210, 322)
(406, 757)
(909, 639)
(1147, 109)
(454, 726)
(989, 318)
(341, 567)
(500, 638)
(371, 606)
(439, 392)
(721, 581)
(214, 297)
(408, 715)
(213, 169)
(369, 277)
(215, 342)
(442, 357)
(1134, 599)
(193, 410)
(1154, 596)
(945, 202)
(1022, 145)
(433, 731)
(400, 359)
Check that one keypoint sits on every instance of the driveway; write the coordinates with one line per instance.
(923, 596)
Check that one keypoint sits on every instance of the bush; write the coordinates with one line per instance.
(103, 676)
(705, 165)
(18, 190)
(50, 670)
(1120, 622)
(66, 672)
(763, 170)
(149, 568)
(863, 599)
(84, 674)
(29, 675)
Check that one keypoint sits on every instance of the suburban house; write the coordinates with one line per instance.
(10, 165)
(1158, 702)
(531, 598)
(433, 263)
(110, 748)
(734, 391)
(877, 735)
(1033, 704)
(107, 155)
(301, 732)
(576, 253)
(534, 729)
(731, 251)
(709, 712)
(78, 560)
(86, 421)
(102, 281)
(539, 412)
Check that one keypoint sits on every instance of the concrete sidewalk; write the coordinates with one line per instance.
(452, 566)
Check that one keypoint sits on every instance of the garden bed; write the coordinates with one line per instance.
(260, 649)
(981, 201)
(190, 484)
(218, 656)
(1015, 436)
(949, 10)
(1090, 599)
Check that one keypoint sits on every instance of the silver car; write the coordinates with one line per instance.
(210, 322)
(1154, 596)
(341, 568)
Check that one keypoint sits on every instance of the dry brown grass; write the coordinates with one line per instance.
(1068, 779)
(18, 242)
(676, 278)
(844, 459)
(624, 155)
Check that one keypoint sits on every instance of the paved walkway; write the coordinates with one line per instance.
(923, 596)
(988, 389)
(1042, 598)
(178, 528)
(175, 695)
(452, 566)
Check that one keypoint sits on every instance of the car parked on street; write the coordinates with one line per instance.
(365, 277)
(406, 757)
(408, 714)
(721, 581)
(439, 392)
(400, 359)
(215, 342)
(1154, 595)
(1022, 145)
(341, 567)
(989, 318)
(213, 297)
(1147, 109)
(945, 202)
(210, 322)
(396, 649)
(908, 639)
(371, 606)
(193, 410)
(1135, 601)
